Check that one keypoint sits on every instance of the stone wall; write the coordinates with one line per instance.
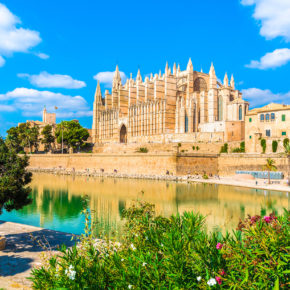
(159, 164)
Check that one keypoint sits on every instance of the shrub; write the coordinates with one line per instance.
(173, 253)
(179, 144)
(285, 142)
(264, 145)
(242, 146)
(193, 148)
(205, 176)
(224, 148)
(143, 150)
(197, 148)
(274, 146)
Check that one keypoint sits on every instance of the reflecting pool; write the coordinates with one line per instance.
(57, 201)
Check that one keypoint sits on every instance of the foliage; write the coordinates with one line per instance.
(264, 145)
(47, 137)
(173, 253)
(224, 148)
(14, 194)
(205, 176)
(197, 148)
(242, 146)
(72, 134)
(270, 166)
(13, 140)
(143, 150)
(274, 146)
(285, 142)
(193, 148)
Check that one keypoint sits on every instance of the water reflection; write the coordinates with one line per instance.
(57, 201)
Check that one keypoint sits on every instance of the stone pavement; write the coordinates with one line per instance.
(22, 253)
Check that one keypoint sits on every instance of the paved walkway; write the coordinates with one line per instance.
(22, 253)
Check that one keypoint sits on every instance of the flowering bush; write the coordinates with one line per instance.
(173, 253)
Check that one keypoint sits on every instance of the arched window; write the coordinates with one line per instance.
(220, 108)
(200, 85)
(186, 123)
(262, 117)
(267, 117)
(272, 116)
(240, 113)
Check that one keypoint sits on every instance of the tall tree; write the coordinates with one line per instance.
(13, 139)
(14, 192)
(47, 137)
(270, 166)
(72, 134)
(29, 136)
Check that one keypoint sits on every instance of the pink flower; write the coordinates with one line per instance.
(219, 280)
(222, 272)
(267, 219)
(219, 246)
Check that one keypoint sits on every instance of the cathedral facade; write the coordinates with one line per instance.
(177, 106)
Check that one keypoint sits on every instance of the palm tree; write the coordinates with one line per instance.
(269, 166)
(287, 153)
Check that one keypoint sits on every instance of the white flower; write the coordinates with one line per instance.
(198, 278)
(211, 282)
(122, 260)
(70, 272)
(130, 286)
(144, 264)
(132, 247)
(146, 238)
(161, 245)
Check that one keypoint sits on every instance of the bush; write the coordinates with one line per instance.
(193, 148)
(240, 149)
(205, 176)
(197, 148)
(224, 148)
(179, 144)
(274, 146)
(173, 253)
(242, 146)
(143, 150)
(264, 145)
(285, 142)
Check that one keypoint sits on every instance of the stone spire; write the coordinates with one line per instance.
(189, 66)
(117, 78)
(201, 70)
(174, 69)
(160, 75)
(151, 77)
(169, 71)
(212, 78)
(166, 69)
(226, 81)
(178, 68)
(98, 94)
(232, 82)
(139, 78)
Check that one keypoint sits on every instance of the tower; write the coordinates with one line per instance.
(96, 112)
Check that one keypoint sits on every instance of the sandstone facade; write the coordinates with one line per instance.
(178, 106)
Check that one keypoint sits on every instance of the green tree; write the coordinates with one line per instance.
(274, 146)
(13, 139)
(29, 136)
(14, 194)
(72, 134)
(47, 137)
(264, 145)
(270, 166)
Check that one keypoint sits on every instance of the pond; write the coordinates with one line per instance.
(57, 201)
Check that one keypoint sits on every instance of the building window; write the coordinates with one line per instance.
(240, 113)
(283, 133)
(272, 116)
(262, 118)
(267, 117)
(250, 120)
(220, 108)
(283, 118)
(186, 124)
(268, 133)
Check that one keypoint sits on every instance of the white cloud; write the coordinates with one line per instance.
(273, 16)
(47, 80)
(12, 37)
(258, 97)
(31, 103)
(2, 61)
(42, 55)
(277, 58)
(106, 77)
(6, 108)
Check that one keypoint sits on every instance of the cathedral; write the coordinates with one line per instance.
(176, 106)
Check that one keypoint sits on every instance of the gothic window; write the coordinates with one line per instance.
(186, 123)
(240, 113)
(220, 108)
(200, 85)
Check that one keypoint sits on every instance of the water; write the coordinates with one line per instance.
(57, 201)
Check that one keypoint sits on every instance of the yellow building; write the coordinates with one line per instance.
(177, 106)
(271, 122)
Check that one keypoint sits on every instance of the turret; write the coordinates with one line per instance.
(139, 78)
(178, 68)
(226, 81)
(212, 77)
(174, 69)
(189, 66)
(117, 79)
(232, 82)
(98, 95)
(166, 69)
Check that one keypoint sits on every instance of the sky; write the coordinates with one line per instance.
(53, 52)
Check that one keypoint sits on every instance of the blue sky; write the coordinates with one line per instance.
(52, 51)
